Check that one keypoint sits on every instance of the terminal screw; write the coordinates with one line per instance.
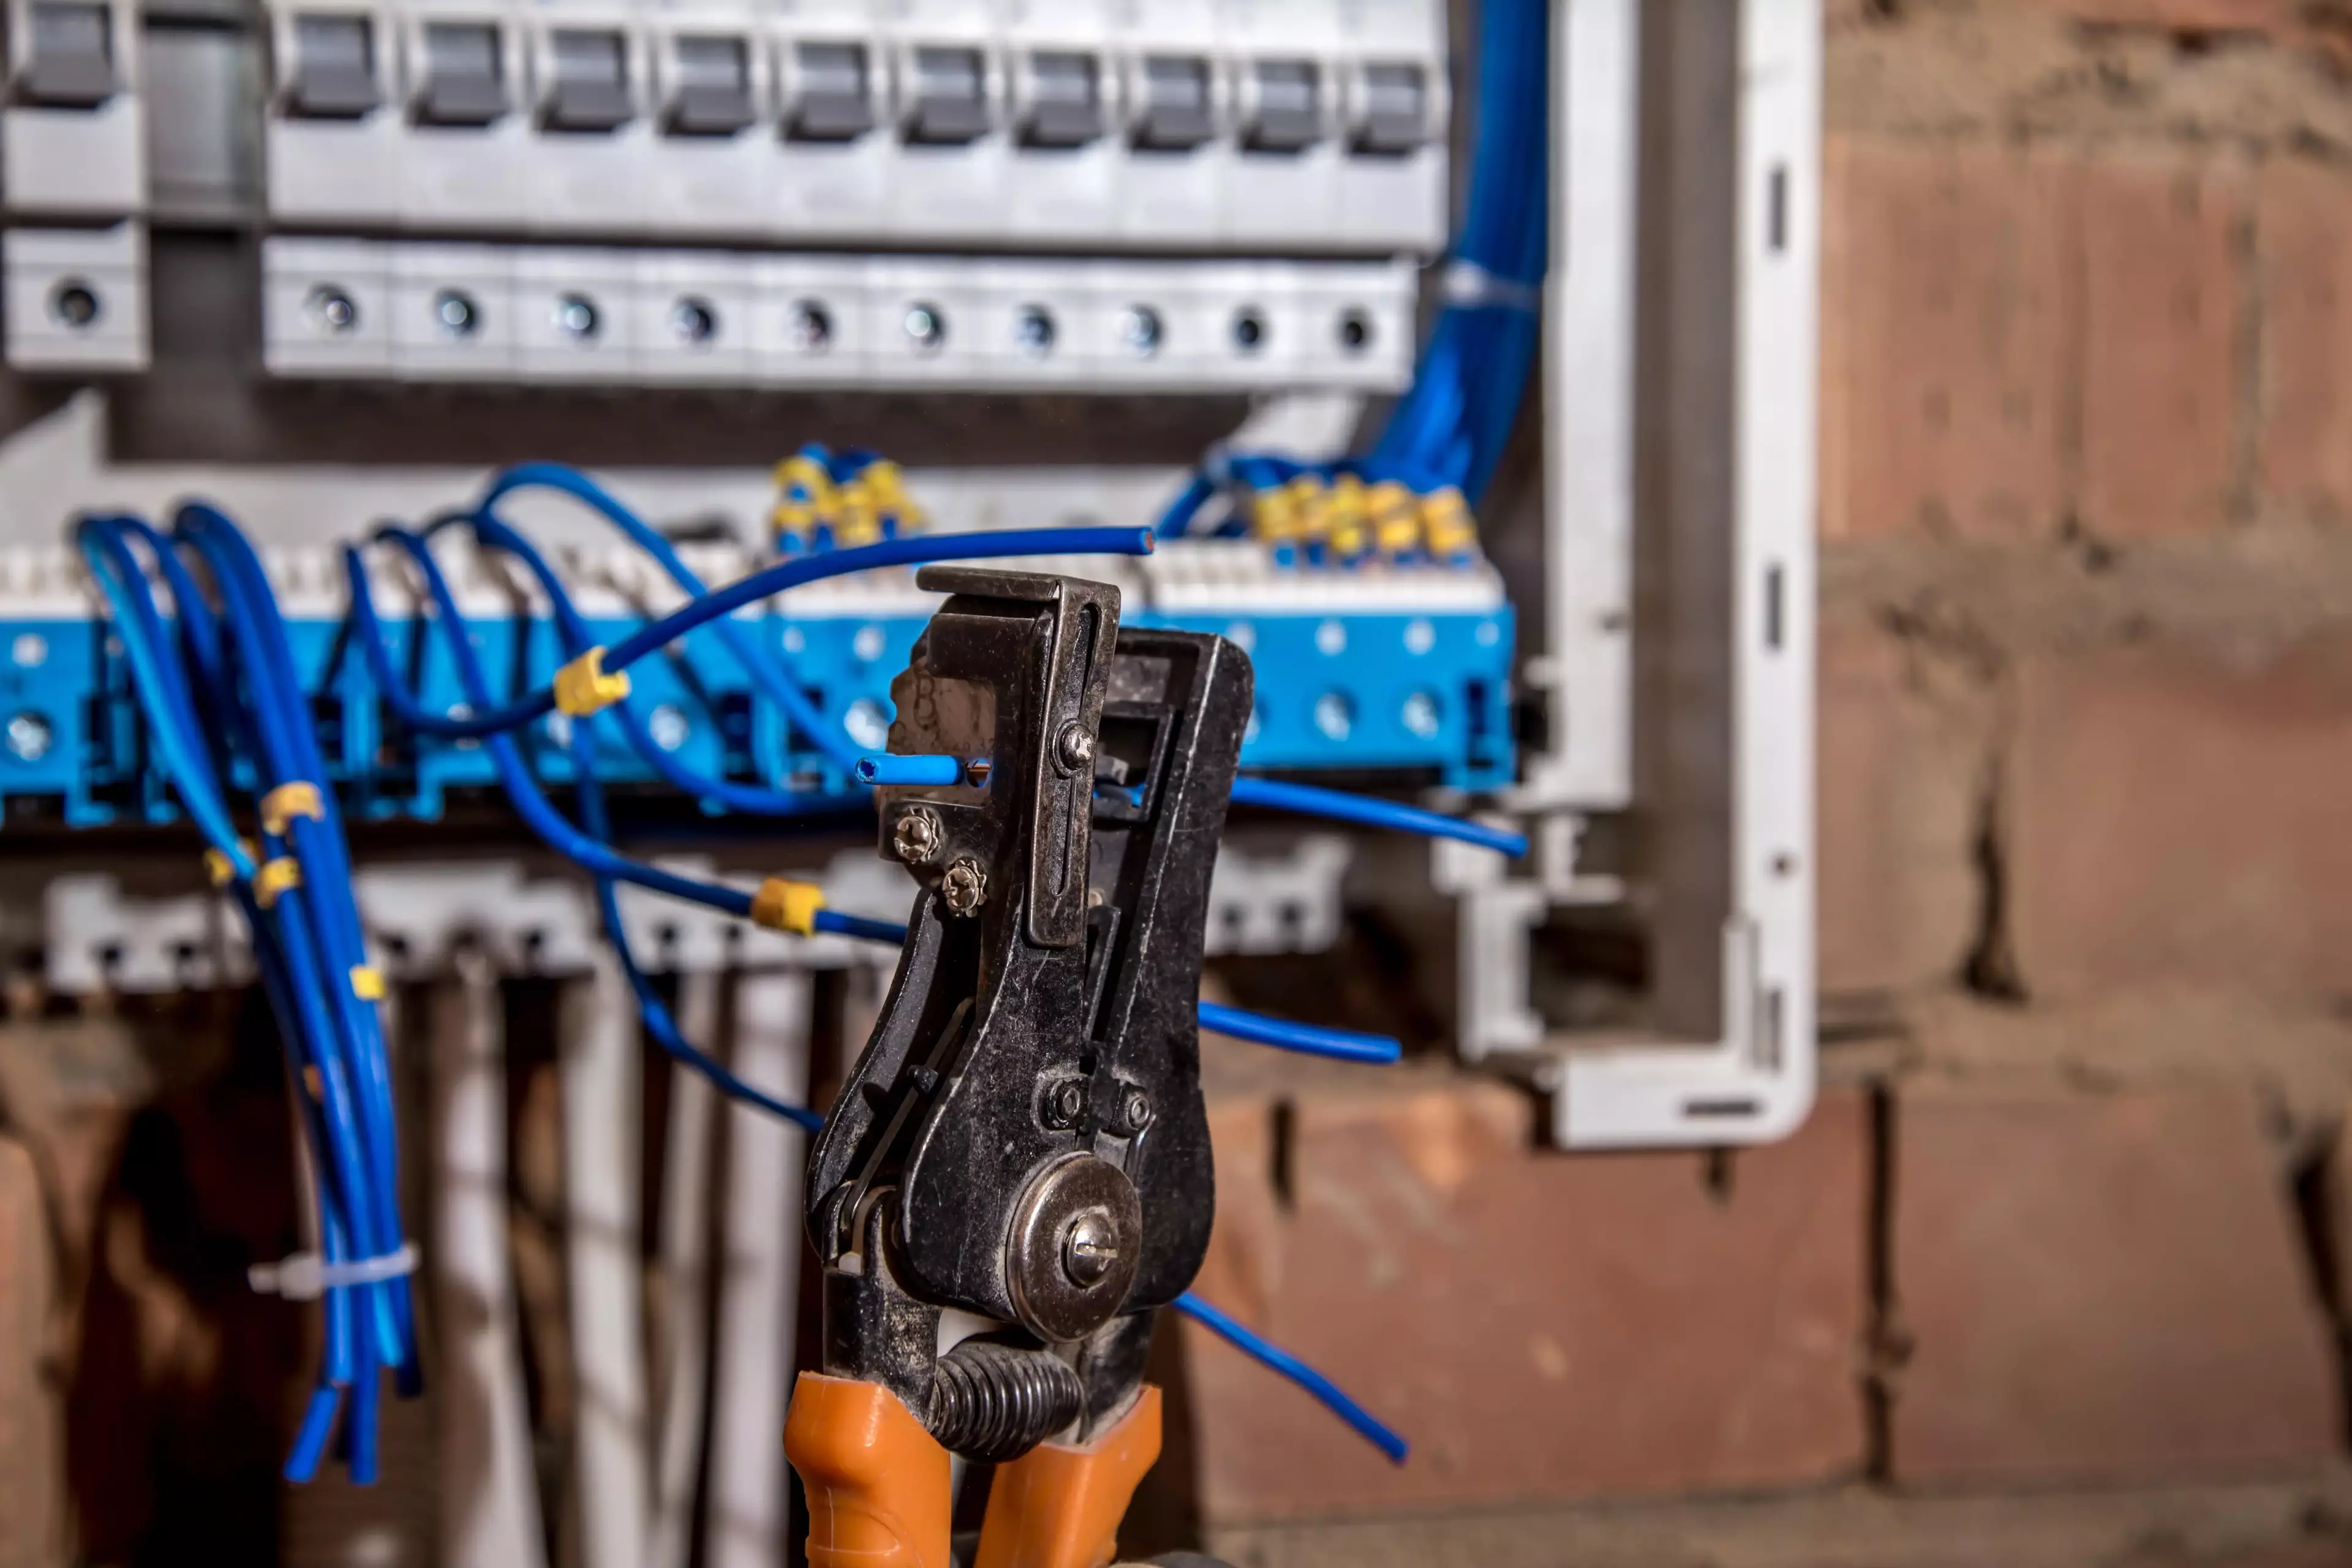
(916, 837)
(1073, 748)
(965, 886)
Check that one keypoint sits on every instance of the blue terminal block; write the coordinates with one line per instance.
(1352, 676)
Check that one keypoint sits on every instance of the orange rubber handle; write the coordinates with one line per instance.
(1059, 1507)
(879, 1495)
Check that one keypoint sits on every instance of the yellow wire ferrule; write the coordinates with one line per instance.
(857, 519)
(1348, 517)
(274, 876)
(281, 805)
(783, 904)
(1446, 522)
(583, 688)
(367, 983)
(1396, 517)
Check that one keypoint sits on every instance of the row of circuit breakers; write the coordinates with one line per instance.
(587, 189)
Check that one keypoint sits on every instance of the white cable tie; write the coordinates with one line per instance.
(304, 1277)
(1467, 283)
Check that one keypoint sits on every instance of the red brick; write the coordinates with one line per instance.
(2175, 814)
(1941, 293)
(2162, 282)
(2303, 239)
(2099, 1287)
(1538, 1325)
(2269, 17)
(32, 1428)
(1903, 754)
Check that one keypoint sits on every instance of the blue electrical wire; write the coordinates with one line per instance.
(324, 942)
(354, 1202)
(883, 768)
(764, 584)
(584, 848)
(576, 636)
(1307, 799)
(773, 683)
(1372, 812)
(1308, 1039)
(1266, 1353)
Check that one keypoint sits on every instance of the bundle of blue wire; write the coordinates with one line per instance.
(1467, 389)
(1450, 429)
(247, 712)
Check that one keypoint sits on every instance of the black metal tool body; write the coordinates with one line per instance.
(1023, 1138)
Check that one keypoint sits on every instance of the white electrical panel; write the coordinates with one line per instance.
(75, 298)
(72, 135)
(1253, 125)
(437, 312)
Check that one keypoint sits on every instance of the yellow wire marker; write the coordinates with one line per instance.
(581, 687)
(297, 798)
(783, 904)
(367, 983)
(274, 876)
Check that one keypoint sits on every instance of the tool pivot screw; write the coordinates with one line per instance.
(965, 886)
(916, 837)
(1135, 1109)
(1089, 1248)
(1075, 746)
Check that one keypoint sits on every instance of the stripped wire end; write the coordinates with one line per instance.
(881, 768)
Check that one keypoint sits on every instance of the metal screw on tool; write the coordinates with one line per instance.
(1135, 1109)
(1073, 748)
(916, 837)
(965, 886)
(1090, 1247)
(1065, 1103)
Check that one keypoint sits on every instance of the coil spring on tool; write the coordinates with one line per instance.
(992, 1402)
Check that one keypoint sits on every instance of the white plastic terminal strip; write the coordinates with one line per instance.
(441, 312)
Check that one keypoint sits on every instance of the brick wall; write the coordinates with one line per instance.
(2073, 1207)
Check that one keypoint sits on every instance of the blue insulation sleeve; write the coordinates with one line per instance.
(1308, 1039)
(1370, 811)
(882, 768)
(1313, 1039)
(1268, 1355)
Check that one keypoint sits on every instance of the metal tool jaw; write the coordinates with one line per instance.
(1022, 1139)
